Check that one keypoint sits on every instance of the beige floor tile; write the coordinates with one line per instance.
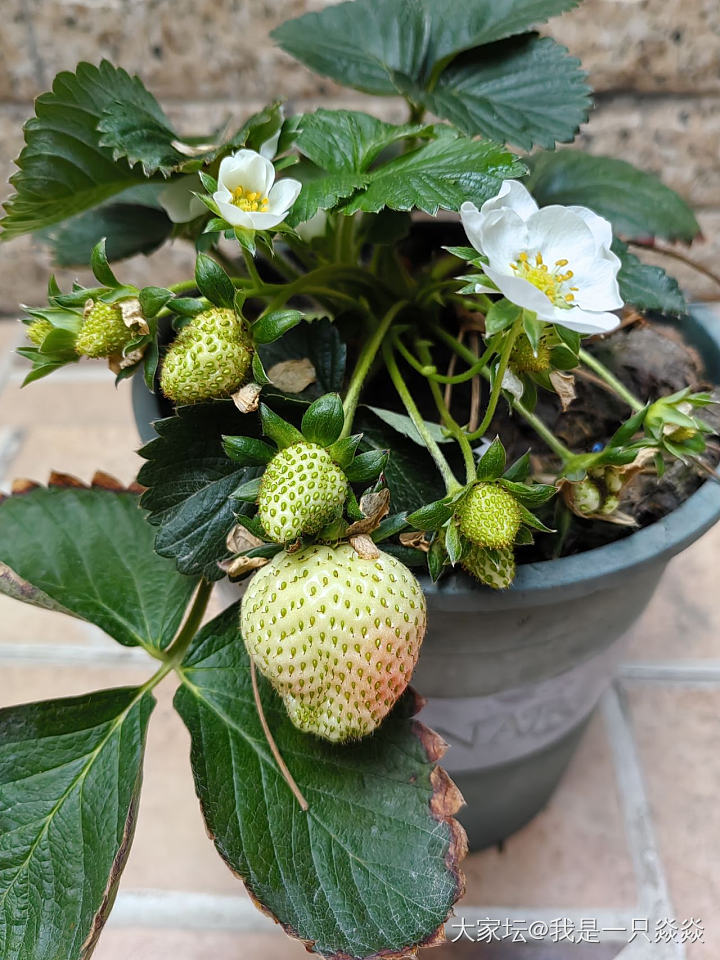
(683, 619)
(79, 450)
(677, 732)
(60, 401)
(574, 854)
(134, 944)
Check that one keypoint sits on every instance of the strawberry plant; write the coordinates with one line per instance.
(357, 396)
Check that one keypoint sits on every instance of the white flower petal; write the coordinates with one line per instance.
(284, 194)
(503, 236)
(601, 290)
(520, 292)
(178, 201)
(316, 226)
(514, 196)
(234, 215)
(559, 234)
(265, 221)
(472, 221)
(513, 384)
(586, 321)
(600, 228)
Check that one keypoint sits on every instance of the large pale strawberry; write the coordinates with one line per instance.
(209, 358)
(302, 490)
(489, 516)
(337, 635)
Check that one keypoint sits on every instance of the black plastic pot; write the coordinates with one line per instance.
(512, 677)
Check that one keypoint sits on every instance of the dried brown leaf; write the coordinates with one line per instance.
(564, 386)
(292, 376)
(247, 398)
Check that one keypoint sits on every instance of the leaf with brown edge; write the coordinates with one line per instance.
(373, 867)
(89, 552)
(70, 777)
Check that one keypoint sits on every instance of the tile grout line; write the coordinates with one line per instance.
(654, 895)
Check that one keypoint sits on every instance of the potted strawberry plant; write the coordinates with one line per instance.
(418, 399)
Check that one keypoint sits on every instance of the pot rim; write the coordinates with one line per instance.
(550, 581)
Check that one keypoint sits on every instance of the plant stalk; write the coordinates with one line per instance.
(512, 336)
(611, 380)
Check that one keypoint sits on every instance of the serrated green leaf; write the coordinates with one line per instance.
(647, 287)
(492, 463)
(70, 775)
(271, 326)
(493, 91)
(380, 46)
(64, 170)
(323, 420)
(318, 342)
(441, 174)
(59, 543)
(189, 481)
(636, 203)
(367, 867)
(213, 282)
(138, 131)
(248, 451)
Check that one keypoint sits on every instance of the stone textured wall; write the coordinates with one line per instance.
(654, 64)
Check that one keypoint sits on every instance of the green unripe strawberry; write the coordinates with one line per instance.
(586, 496)
(209, 358)
(489, 516)
(103, 332)
(302, 490)
(337, 635)
(38, 330)
(498, 575)
(524, 360)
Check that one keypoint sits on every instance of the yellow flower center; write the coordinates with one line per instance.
(552, 282)
(249, 200)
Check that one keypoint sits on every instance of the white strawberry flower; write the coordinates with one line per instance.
(555, 261)
(247, 195)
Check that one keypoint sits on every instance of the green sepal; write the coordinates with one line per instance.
(246, 239)
(501, 315)
(367, 466)
(432, 516)
(153, 299)
(323, 420)
(101, 267)
(271, 326)
(524, 538)
(150, 361)
(352, 507)
(188, 306)
(453, 543)
(248, 451)
(266, 550)
(436, 559)
(533, 328)
(209, 182)
(520, 469)
(247, 491)
(492, 462)
(343, 451)
(253, 525)
(258, 370)
(532, 521)
(279, 430)
(410, 556)
(390, 526)
(529, 494)
(213, 282)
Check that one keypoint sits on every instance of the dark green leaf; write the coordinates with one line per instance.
(382, 46)
(323, 420)
(404, 425)
(213, 282)
(492, 462)
(431, 517)
(248, 451)
(493, 91)
(70, 775)
(321, 190)
(284, 434)
(636, 203)
(647, 287)
(60, 544)
(367, 466)
(320, 343)
(441, 174)
(189, 482)
(139, 131)
(63, 168)
(369, 867)
(271, 326)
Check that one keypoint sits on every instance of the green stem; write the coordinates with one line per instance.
(183, 287)
(450, 422)
(611, 380)
(365, 360)
(451, 483)
(175, 653)
(251, 268)
(531, 419)
(499, 375)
